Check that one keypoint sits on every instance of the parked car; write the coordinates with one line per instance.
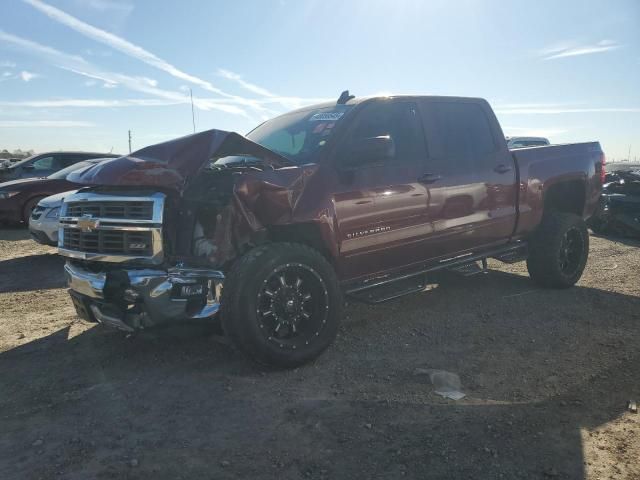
(19, 197)
(43, 222)
(44, 164)
(363, 197)
(521, 142)
(619, 210)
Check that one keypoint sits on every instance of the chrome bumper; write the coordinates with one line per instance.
(154, 292)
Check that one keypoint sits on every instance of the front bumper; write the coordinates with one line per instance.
(133, 299)
(42, 228)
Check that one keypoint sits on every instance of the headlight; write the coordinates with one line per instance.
(54, 213)
(4, 195)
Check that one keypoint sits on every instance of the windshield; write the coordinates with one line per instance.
(22, 162)
(297, 136)
(62, 174)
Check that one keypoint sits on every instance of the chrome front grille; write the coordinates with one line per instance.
(114, 209)
(112, 228)
(112, 242)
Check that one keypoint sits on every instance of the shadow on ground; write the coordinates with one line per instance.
(15, 277)
(14, 233)
(158, 405)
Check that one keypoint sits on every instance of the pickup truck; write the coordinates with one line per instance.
(361, 197)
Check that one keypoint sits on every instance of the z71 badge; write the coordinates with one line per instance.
(369, 231)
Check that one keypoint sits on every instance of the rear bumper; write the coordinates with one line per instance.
(133, 299)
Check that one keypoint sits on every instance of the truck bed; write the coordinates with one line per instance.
(539, 168)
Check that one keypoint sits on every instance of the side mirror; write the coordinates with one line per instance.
(370, 150)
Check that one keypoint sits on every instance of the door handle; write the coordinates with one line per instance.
(502, 169)
(429, 178)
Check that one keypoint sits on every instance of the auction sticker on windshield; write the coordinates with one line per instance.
(326, 117)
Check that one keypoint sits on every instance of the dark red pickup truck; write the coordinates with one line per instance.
(362, 197)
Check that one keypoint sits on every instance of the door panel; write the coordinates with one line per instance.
(381, 208)
(472, 204)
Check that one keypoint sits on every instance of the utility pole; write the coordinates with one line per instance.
(129, 141)
(193, 115)
(629, 154)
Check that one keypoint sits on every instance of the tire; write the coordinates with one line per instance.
(281, 304)
(558, 250)
(28, 207)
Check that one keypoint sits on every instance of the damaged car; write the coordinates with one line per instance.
(618, 211)
(362, 197)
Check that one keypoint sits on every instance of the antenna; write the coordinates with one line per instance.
(193, 115)
(344, 97)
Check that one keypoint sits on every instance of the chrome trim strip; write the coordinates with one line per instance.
(74, 220)
(117, 228)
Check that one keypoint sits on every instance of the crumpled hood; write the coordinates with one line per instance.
(171, 164)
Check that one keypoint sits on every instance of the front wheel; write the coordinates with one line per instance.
(558, 250)
(281, 304)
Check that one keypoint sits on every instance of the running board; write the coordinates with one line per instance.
(386, 287)
(472, 268)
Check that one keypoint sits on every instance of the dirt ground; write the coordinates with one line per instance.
(547, 376)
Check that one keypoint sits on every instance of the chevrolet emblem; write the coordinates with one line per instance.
(87, 223)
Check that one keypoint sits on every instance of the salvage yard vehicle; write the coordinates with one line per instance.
(522, 142)
(45, 164)
(19, 197)
(359, 197)
(43, 222)
(619, 210)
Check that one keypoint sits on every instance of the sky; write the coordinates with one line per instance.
(79, 74)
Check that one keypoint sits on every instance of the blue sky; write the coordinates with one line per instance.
(77, 74)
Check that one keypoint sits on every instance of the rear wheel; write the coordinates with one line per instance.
(558, 250)
(28, 208)
(281, 304)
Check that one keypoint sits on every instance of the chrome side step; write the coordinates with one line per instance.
(390, 286)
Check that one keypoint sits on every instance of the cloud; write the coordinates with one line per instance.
(28, 76)
(7, 64)
(108, 6)
(533, 110)
(572, 49)
(244, 84)
(80, 66)
(533, 131)
(97, 53)
(45, 123)
(91, 103)
(128, 48)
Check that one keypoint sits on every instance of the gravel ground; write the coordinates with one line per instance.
(547, 376)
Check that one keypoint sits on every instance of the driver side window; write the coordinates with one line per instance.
(398, 120)
(45, 163)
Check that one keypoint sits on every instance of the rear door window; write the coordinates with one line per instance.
(461, 134)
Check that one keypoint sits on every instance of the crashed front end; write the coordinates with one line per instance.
(117, 270)
(148, 241)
